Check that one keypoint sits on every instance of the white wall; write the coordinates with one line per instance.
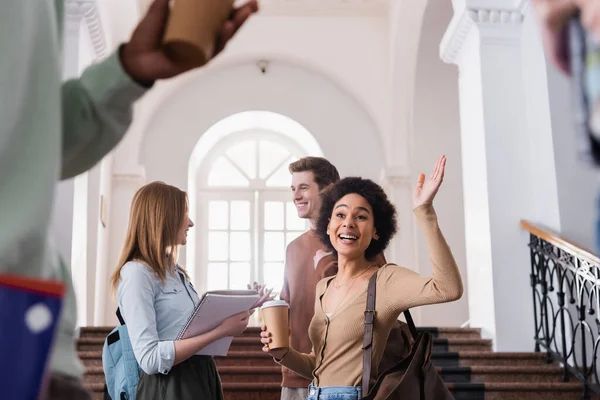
(72, 224)
(437, 132)
(77, 54)
(351, 51)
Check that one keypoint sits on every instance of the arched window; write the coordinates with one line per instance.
(245, 213)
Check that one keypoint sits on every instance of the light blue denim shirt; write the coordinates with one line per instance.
(154, 313)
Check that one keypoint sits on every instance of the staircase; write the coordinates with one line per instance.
(465, 361)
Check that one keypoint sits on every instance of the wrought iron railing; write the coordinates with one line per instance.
(565, 283)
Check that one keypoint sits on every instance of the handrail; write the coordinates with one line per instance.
(556, 240)
(565, 286)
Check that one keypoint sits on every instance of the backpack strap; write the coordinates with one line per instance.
(411, 324)
(368, 333)
(121, 320)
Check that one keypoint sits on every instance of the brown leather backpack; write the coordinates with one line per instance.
(406, 371)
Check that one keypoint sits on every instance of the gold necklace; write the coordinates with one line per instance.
(350, 279)
(343, 298)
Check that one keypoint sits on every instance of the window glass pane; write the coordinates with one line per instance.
(217, 246)
(239, 276)
(292, 222)
(223, 173)
(273, 273)
(240, 215)
(240, 246)
(273, 212)
(281, 177)
(274, 249)
(217, 215)
(217, 276)
(291, 236)
(244, 156)
(271, 154)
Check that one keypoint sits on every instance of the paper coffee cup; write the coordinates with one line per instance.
(192, 30)
(275, 317)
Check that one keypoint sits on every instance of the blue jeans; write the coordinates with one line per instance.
(334, 393)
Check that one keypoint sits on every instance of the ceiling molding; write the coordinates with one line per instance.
(497, 22)
(317, 8)
(314, 8)
(87, 10)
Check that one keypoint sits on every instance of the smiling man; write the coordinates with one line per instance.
(307, 262)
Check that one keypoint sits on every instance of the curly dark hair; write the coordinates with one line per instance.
(384, 212)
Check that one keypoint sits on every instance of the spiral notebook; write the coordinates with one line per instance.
(215, 307)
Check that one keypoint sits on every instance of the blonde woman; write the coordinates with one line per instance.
(155, 297)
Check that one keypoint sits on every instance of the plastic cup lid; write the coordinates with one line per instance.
(275, 303)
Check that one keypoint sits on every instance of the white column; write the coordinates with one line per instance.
(101, 290)
(75, 215)
(71, 248)
(61, 224)
(118, 192)
(402, 249)
(404, 20)
(485, 43)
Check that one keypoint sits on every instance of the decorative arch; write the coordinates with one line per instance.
(248, 121)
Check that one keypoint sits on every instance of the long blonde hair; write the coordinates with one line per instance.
(155, 220)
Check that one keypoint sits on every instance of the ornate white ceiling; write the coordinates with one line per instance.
(324, 7)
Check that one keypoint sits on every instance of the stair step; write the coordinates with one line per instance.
(452, 332)
(252, 331)
(494, 373)
(511, 390)
(442, 359)
(461, 391)
(474, 374)
(238, 343)
(95, 374)
(253, 343)
(461, 344)
(472, 358)
(245, 358)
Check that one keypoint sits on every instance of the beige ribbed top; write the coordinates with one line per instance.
(336, 359)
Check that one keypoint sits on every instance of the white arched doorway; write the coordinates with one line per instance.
(240, 200)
